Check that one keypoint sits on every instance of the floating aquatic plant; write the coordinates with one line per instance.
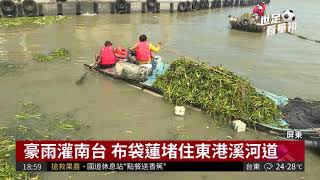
(60, 53)
(219, 92)
(29, 123)
(22, 21)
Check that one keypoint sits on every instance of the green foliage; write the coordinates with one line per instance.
(219, 92)
(22, 21)
(246, 16)
(29, 123)
(57, 54)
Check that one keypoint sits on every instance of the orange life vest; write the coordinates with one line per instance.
(142, 51)
(121, 52)
(107, 56)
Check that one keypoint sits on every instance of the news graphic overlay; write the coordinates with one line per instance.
(160, 155)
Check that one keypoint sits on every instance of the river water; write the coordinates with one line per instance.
(282, 64)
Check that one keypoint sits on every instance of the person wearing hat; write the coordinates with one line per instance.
(107, 57)
(257, 10)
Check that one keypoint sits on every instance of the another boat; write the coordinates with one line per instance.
(238, 24)
(249, 23)
(310, 135)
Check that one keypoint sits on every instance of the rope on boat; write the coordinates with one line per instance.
(303, 37)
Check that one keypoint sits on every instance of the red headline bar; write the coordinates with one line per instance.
(159, 151)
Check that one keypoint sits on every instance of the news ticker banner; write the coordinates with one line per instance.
(160, 155)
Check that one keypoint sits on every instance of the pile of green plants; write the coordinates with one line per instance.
(22, 21)
(8, 67)
(246, 16)
(29, 123)
(56, 54)
(219, 92)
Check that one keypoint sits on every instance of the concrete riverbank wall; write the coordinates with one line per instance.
(10, 8)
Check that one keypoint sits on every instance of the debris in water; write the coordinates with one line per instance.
(130, 132)
(22, 21)
(239, 126)
(60, 53)
(229, 137)
(22, 126)
(179, 110)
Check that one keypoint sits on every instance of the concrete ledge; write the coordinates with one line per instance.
(104, 7)
(49, 9)
(70, 7)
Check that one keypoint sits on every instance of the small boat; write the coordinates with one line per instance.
(250, 24)
(310, 135)
(236, 23)
(160, 69)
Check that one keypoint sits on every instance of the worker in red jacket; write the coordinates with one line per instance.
(107, 57)
(143, 50)
(257, 10)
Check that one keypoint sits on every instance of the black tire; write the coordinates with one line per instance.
(197, 5)
(236, 3)
(152, 6)
(182, 7)
(189, 5)
(120, 6)
(8, 8)
(206, 4)
(29, 8)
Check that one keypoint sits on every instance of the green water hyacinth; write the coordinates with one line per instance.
(29, 123)
(22, 21)
(219, 92)
(57, 54)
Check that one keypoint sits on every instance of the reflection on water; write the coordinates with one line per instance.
(281, 64)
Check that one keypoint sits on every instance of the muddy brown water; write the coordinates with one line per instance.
(282, 64)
